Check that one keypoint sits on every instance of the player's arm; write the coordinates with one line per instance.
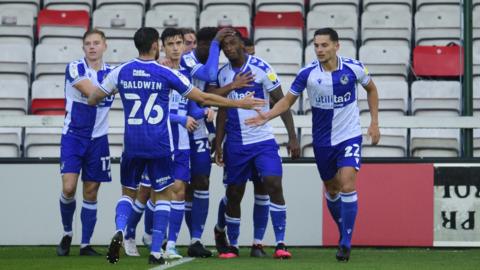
(206, 99)
(208, 71)
(372, 98)
(108, 87)
(241, 80)
(280, 107)
(186, 121)
(293, 148)
(220, 135)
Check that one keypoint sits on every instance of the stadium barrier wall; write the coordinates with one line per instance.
(405, 204)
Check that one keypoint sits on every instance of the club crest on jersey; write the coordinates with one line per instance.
(189, 61)
(73, 70)
(344, 79)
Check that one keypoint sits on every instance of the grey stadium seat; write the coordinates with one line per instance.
(436, 98)
(393, 143)
(435, 142)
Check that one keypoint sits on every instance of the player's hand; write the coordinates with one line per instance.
(243, 80)
(209, 114)
(219, 156)
(165, 62)
(249, 102)
(293, 148)
(258, 120)
(223, 33)
(374, 133)
(191, 124)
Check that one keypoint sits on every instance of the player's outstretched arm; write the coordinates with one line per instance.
(372, 98)
(206, 99)
(220, 135)
(280, 107)
(96, 97)
(293, 148)
(241, 80)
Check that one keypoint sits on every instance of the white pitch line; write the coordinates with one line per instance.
(173, 263)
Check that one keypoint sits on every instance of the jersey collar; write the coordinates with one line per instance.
(339, 64)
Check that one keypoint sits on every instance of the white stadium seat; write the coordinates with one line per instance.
(42, 142)
(392, 61)
(48, 89)
(476, 58)
(13, 97)
(137, 6)
(32, 5)
(347, 5)
(391, 5)
(437, 27)
(434, 5)
(345, 22)
(192, 6)
(435, 142)
(245, 5)
(10, 142)
(119, 52)
(223, 16)
(52, 59)
(282, 63)
(117, 23)
(476, 96)
(15, 61)
(393, 143)
(436, 98)
(16, 26)
(386, 25)
(163, 18)
(393, 98)
(115, 140)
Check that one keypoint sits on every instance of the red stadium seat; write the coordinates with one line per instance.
(279, 19)
(71, 18)
(444, 61)
(55, 106)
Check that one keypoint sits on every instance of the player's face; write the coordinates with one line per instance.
(190, 41)
(94, 46)
(201, 52)
(325, 48)
(232, 47)
(174, 47)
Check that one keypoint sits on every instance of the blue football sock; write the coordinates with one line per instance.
(149, 217)
(160, 223)
(122, 213)
(67, 209)
(233, 229)
(260, 217)
(88, 216)
(279, 221)
(134, 218)
(176, 217)
(334, 205)
(199, 212)
(221, 214)
(188, 217)
(349, 214)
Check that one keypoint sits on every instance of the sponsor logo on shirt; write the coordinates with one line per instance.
(337, 101)
(235, 95)
(140, 73)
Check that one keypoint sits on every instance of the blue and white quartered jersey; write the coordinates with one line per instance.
(82, 119)
(190, 63)
(266, 80)
(333, 98)
(144, 87)
(179, 106)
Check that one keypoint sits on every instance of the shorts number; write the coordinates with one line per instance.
(106, 164)
(200, 146)
(348, 150)
(147, 111)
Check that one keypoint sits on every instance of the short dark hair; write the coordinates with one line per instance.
(170, 32)
(327, 31)
(187, 30)
(93, 31)
(248, 42)
(206, 34)
(144, 39)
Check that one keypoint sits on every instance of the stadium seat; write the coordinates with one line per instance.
(42, 142)
(444, 61)
(390, 5)
(436, 98)
(13, 97)
(387, 26)
(115, 140)
(393, 98)
(245, 5)
(476, 96)
(32, 5)
(345, 22)
(15, 61)
(48, 97)
(138, 6)
(437, 27)
(393, 143)
(476, 142)
(281, 62)
(306, 141)
(476, 58)
(219, 16)
(433, 5)
(86, 5)
(16, 26)
(117, 23)
(280, 6)
(58, 26)
(189, 6)
(116, 111)
(119, 52)
(391, 61)
(346, 50)
(162, 18)
(476, 23)
(52, 59)
(285, 26)
(346, 5)
(10, 142)
(435, 142)
(286, 82)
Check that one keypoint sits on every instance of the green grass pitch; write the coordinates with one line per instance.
(44, 257)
